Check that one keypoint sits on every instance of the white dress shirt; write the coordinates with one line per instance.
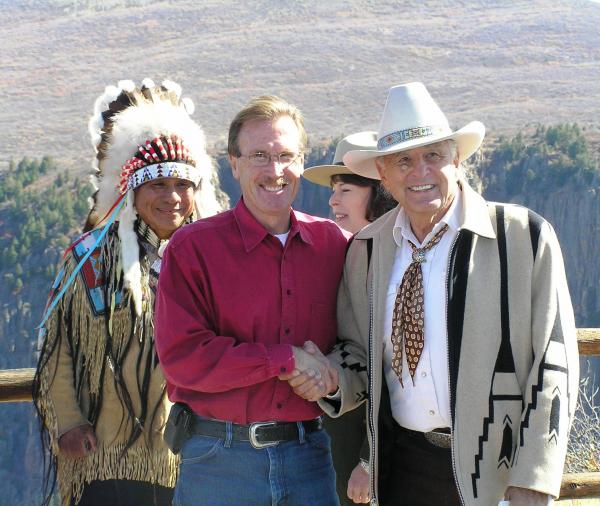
(426, 404)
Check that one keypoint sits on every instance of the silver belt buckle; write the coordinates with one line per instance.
(252, 430)
(439, 439)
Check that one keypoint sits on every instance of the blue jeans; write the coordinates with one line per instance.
(217, 472)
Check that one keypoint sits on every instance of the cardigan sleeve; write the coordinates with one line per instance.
(349, 356)
(551, 391)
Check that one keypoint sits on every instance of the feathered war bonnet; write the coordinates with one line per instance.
(140, 134)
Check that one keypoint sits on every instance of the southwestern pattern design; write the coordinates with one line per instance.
(512, 347)
(505, 395)
(362, 395)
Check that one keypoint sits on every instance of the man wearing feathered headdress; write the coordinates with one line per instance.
(98, 388)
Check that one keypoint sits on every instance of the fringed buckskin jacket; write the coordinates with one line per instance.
(512, 348)
(98, 365)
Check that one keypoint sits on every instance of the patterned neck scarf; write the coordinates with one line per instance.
(408, 318)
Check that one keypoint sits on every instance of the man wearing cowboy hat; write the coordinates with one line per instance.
(456, 320)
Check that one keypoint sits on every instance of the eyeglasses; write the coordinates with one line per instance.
(260, 159)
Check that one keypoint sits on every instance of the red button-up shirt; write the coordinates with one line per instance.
(231, 303)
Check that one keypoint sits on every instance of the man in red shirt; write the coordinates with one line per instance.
(239, 296)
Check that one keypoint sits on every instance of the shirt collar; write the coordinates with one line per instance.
(474, 217)
(402, 227)
(253, 233)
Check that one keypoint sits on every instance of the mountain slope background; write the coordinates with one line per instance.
(505, 63)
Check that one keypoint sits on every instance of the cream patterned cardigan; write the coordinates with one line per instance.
(511, 343)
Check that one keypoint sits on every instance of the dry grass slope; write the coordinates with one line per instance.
(584, 442)
(506, 63)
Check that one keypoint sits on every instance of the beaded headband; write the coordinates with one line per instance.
(165, 156)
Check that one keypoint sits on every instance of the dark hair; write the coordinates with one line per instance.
(380, 200)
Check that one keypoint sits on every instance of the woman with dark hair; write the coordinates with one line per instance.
(355, 202)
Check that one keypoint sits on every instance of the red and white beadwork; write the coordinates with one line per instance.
(154, 160)
(163, 169)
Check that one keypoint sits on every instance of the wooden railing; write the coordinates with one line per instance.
(15, 386)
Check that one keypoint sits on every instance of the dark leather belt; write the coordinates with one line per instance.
(260, 434)
(442, 438)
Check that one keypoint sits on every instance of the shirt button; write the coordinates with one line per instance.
(289, 292)
(287, 331)
(423, 374)
(279, 405)
(282, 369)
(431, 412)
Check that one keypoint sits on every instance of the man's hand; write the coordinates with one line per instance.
(331, 379)
(358, 485)
(313, 377)
(525, 497)
(78, 442)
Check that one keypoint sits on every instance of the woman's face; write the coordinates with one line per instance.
(348, 204)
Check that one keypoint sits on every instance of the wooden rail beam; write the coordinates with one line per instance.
(588, 341)
(15, 384)
(580, 485)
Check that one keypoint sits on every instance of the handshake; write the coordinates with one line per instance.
(314, 376)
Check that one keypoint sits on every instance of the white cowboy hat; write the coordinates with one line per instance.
(411, 118)
(321, 174)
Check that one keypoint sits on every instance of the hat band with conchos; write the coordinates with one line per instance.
(412, 119)
(408, 134)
